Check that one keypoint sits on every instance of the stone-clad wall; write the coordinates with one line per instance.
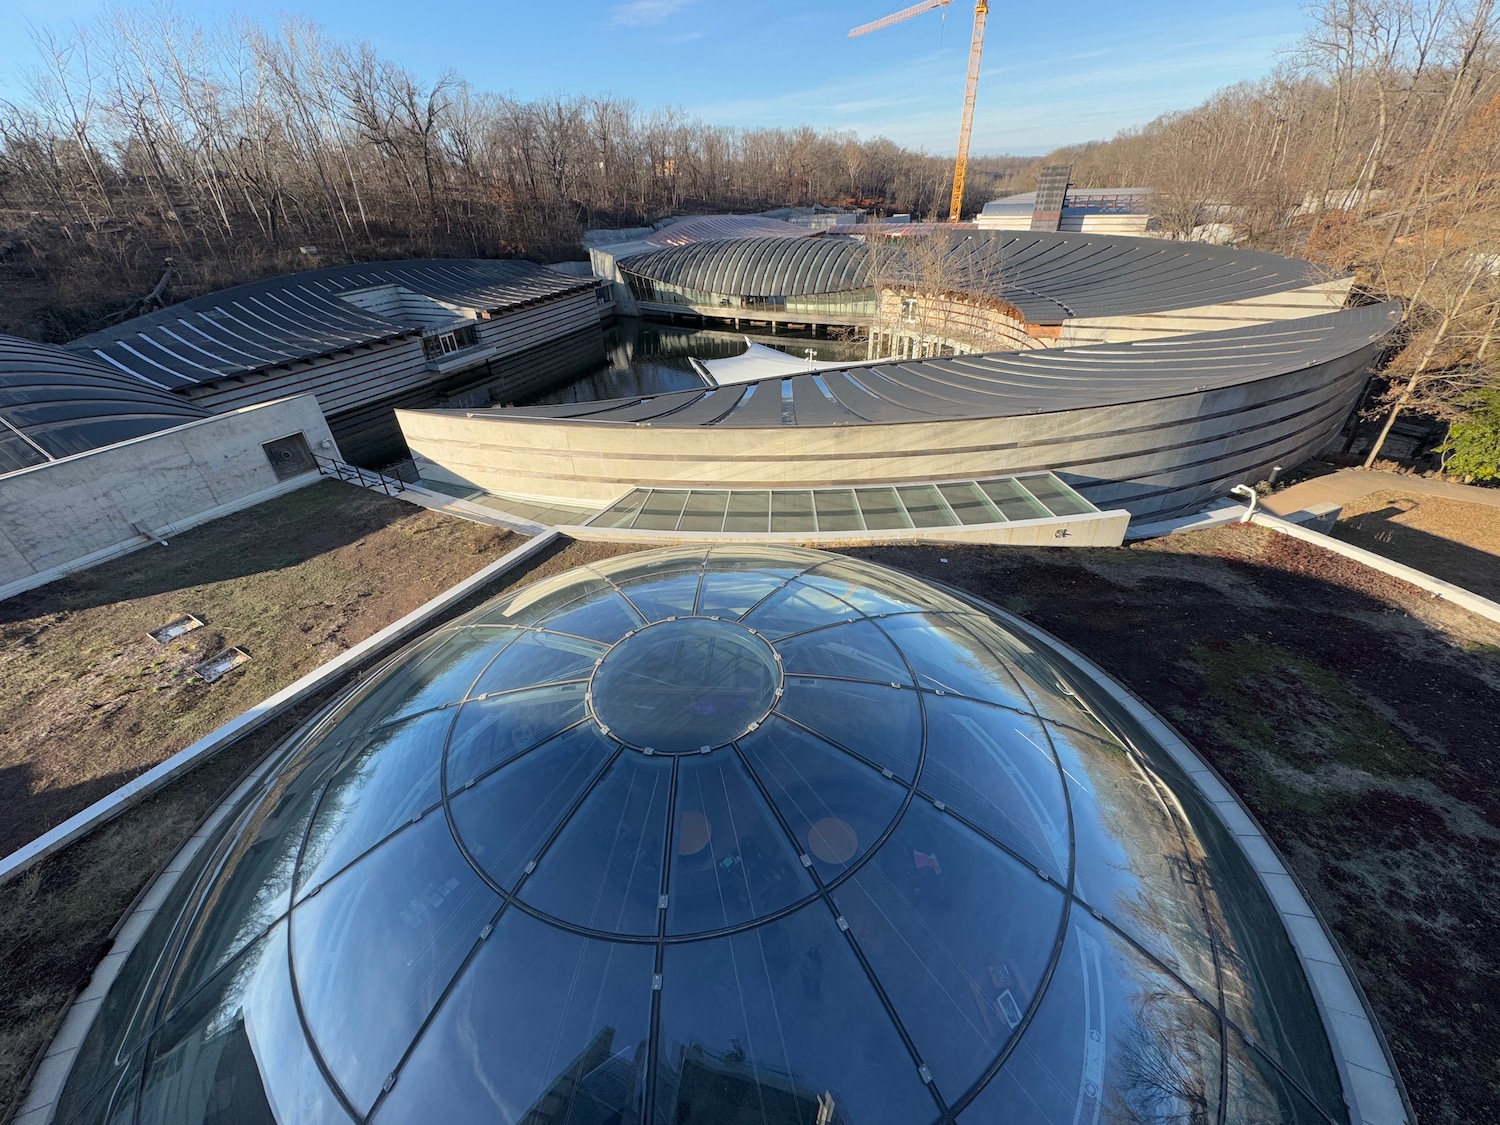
(1155, 458)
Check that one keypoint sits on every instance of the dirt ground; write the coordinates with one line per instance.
(1359, 719)
(56, 919)
(1455, 541)
(89, 701)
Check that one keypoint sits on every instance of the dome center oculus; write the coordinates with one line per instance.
(681, 686)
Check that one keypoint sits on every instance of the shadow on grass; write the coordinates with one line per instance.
(272, 536)
(1475, 570)
(18, 786)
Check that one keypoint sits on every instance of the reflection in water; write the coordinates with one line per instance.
(630, 357)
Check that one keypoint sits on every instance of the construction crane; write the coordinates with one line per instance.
(976, 50)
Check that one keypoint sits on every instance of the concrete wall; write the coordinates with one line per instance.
(1154, 458)
(71, 514)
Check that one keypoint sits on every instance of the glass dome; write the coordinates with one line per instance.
(716, 836)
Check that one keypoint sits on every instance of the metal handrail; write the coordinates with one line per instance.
(366, 478)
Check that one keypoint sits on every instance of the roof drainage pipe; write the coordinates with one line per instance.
(1250, 497)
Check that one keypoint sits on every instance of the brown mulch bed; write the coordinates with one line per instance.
(1360, 720)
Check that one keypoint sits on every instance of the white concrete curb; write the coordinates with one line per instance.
(1435, 586)
(132, 792)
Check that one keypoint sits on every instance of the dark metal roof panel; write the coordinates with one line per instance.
(1090, 275)
(760, 267)
(55, 404)
(1047, 276)
(301, 316)
(700, 228)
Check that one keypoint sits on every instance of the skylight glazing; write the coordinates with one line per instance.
(721, 835)
(802, 511)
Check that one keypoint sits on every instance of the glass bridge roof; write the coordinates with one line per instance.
(724, 836)
(806, 510)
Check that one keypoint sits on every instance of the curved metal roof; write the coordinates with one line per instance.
(54, 404)
(702, 228)
(1048, 277)
(756, 836)
(1002, 384)
(282, 320)
(760, 267)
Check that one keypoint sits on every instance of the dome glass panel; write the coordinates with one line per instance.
(876, 722)
(715, 835)
(684, 685)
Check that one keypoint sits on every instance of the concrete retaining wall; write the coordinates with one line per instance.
(71, 514)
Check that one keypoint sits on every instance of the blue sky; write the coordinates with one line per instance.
(1054, 74)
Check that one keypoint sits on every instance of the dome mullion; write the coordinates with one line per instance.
(653, 1040)
(567, 814)
(291, 969)
(437, 1007)
(772, 593)
(883, 771)
(945, 1114)
(1062, 932)
(512, 760)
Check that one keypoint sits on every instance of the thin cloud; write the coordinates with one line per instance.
(638, 13)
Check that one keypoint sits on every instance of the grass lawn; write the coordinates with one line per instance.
(1450, 539)
(90, 701)
(1358, 717)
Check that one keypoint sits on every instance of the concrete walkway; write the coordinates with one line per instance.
(1348, 485)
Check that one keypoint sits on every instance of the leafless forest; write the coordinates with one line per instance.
(230, 147)
(1374, 146)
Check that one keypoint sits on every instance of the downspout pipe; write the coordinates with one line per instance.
(1250, 496)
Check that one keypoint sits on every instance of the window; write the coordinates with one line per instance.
(446, 343)
(908, 309)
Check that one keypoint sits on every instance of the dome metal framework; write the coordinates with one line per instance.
(715, 835)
